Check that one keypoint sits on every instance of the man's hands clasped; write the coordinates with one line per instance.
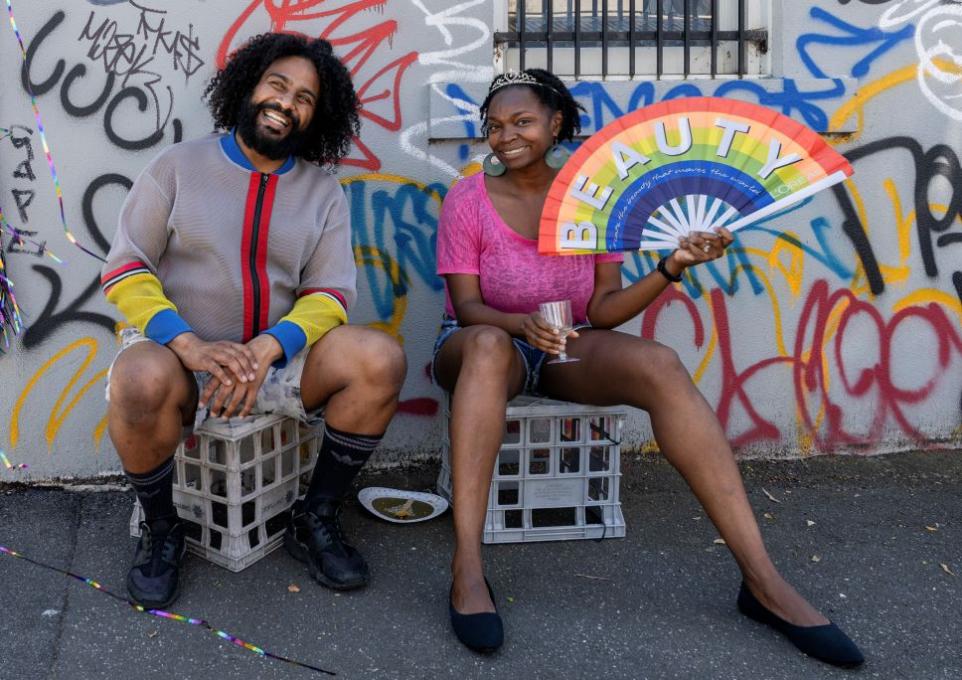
(237, 370)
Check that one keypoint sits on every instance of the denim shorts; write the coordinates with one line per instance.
(532, 357)
(280, 392)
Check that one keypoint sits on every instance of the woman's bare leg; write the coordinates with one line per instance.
(482, 369)
(617, 368)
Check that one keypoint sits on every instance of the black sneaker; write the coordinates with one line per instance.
(315, 537)
(153, 581)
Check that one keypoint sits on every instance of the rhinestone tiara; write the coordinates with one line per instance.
(522, 78)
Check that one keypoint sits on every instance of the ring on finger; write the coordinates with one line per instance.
(706, 248)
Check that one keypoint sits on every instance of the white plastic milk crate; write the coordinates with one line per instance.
(234, 483)
(557, 475)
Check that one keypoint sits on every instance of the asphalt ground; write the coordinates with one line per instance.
(875, 543)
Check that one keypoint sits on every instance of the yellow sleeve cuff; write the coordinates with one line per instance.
(316, 315)
(140, 298)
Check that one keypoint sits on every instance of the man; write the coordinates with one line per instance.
(233, 265)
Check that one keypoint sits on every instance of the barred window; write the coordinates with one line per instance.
(625, 39)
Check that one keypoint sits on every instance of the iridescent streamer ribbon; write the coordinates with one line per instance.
(20, 238)
(200, 623)
(11, 319)
(46, 148)
(10, 466)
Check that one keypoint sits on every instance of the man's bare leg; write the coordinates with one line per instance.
(151, 397)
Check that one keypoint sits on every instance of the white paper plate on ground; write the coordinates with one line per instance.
(401, 506)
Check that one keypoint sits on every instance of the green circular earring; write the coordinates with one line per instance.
(493, 167)
(556, 156)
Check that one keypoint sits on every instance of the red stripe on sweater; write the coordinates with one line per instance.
(136, 264)
(245, 255)
(330, 291)
(262, 240)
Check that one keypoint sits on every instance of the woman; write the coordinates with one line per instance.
(494, 342)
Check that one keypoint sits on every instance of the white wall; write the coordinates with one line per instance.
(841, 337)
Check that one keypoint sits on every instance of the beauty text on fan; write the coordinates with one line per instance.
(651, 177)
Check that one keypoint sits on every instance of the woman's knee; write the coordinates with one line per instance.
(660, 366)
(487, 347)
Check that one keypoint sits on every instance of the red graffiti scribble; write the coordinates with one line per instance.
(378, 91)
(810, 378)
(808, 361)
(733, 383)
(423, 406)
(650, 321)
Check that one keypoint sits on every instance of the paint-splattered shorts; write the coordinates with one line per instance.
(280, 393)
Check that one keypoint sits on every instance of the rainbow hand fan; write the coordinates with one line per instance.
(647, 179)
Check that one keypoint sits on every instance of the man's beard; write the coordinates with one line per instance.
(269, 147)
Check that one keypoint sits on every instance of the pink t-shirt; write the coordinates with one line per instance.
(473, 239)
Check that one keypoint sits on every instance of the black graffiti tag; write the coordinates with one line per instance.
(128, 55)
(141, 96)
(51, 317)
(116, 101)
(939, 161)
(24, 170)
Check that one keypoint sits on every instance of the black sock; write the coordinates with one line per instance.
(340, 459)
(155, 491)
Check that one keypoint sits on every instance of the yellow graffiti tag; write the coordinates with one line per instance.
(99, 430)
(709, 351)
(890, 274)
(370, 256)
(856, 105)
(60, 412)
(923, 296)
(903, 225)
(794, 272)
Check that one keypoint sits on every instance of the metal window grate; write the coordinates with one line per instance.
(550, 25)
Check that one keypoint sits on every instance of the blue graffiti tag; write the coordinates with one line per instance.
(853, 36)
(455, 91)
(601, 107)
(637, 265)
(402, 223)
(791, 99)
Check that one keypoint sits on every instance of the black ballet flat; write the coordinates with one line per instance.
(483, 632)
(826, 642)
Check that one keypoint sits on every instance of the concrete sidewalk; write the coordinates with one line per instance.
(657, 604)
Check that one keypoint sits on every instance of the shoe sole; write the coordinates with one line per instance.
(300, 553)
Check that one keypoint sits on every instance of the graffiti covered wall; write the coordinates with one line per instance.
(834, 327)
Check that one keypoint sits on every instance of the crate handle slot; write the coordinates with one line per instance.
(597, 429)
